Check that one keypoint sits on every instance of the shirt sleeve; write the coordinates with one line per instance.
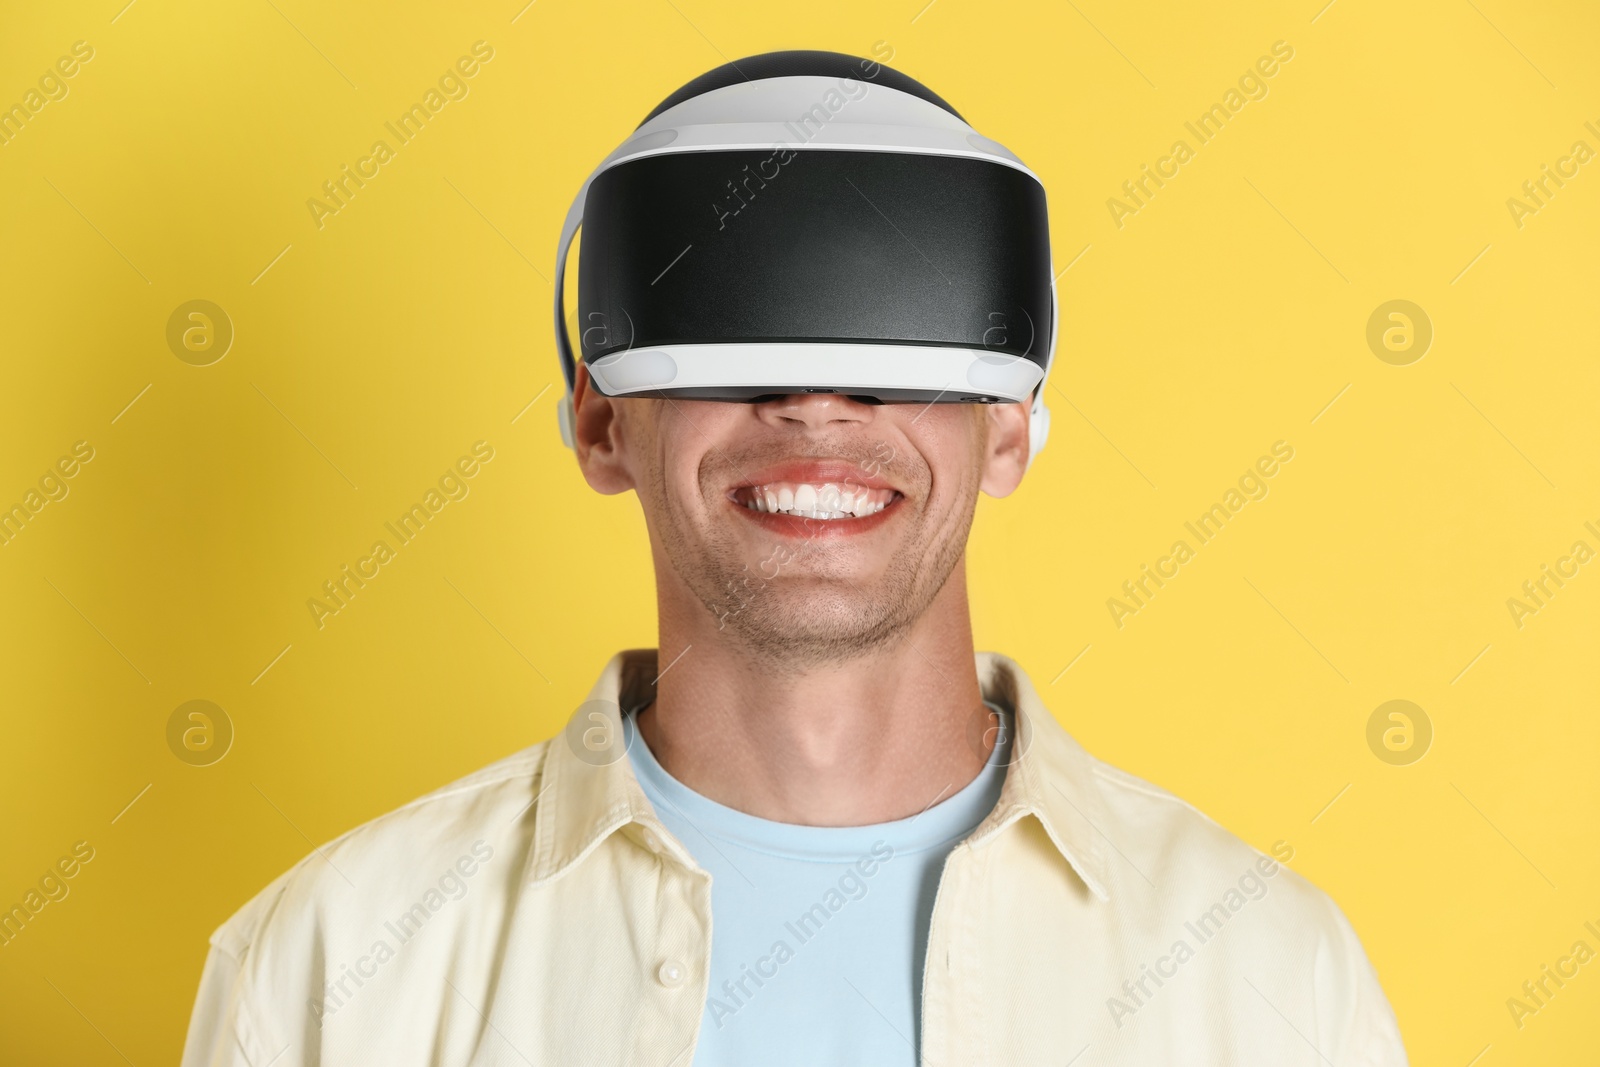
(213, 1039)
(1372, 1038)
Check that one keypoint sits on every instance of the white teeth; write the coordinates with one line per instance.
(826, 501)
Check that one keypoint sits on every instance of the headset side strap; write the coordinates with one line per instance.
(569, 370)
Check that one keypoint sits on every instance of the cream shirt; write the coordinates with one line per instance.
(538, 912)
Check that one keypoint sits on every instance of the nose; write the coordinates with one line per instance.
(814, 411)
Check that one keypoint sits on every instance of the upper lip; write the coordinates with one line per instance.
(816, 472)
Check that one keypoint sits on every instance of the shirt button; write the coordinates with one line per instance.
(670, 974)
(651, 841)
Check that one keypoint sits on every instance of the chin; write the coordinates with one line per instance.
(814, 625)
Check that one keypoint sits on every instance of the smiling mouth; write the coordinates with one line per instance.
(815, 500)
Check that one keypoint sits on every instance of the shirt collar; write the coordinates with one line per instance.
(1050, 776)
(588, 790)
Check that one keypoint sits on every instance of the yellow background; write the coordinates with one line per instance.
(1224, 316)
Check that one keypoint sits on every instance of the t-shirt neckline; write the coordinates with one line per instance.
(944, 821)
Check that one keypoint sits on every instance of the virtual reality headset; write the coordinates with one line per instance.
(810, 222)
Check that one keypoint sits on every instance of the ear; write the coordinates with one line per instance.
(598, 437)
(1005, 449)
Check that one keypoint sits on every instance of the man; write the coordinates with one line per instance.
(816, 826)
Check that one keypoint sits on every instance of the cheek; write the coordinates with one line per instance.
(677, 494)
(695, 440)
(949, 440)
(645, 442)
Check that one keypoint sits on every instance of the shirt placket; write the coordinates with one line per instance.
(952, 988)
(677, 965)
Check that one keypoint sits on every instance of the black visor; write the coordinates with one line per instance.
(783, 246)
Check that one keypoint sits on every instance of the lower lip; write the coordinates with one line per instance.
(807, 528)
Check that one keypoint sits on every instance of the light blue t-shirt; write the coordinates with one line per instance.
(818, 932)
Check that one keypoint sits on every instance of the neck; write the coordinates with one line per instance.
(878, 737)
